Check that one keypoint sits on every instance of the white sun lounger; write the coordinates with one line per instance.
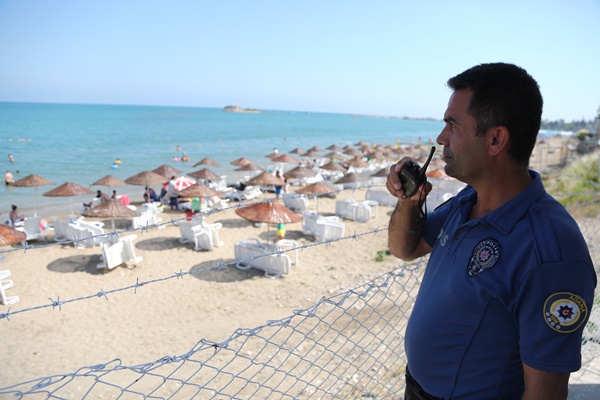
(119, 252)
(322, 228)
(194, 232)
(251, 253)
(6, 284)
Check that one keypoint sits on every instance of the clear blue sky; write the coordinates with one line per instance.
(371, 57)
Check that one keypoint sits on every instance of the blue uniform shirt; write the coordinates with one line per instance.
(513, 286)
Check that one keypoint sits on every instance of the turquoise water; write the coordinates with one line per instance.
(78, 143)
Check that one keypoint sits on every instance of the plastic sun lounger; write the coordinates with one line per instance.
(6, 284)
(250, 253)
(194, 232)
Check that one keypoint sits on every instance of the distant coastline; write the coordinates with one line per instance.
(238, 109)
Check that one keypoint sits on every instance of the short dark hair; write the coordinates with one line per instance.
(504, 95)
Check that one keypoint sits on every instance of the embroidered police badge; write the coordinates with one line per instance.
(485, 255)
(565, 312)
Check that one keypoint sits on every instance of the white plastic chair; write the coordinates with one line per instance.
(295, 202)
(33, 230)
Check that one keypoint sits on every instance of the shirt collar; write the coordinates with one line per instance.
(505, 217)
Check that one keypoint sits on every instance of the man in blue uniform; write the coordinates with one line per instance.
(509, 284)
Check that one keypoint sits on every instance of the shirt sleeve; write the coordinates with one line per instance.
(551, 309)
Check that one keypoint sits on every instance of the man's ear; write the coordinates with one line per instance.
(498, 140)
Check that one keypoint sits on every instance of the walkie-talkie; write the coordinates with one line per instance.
(412, 175)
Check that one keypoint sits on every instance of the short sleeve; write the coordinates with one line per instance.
(551, 309)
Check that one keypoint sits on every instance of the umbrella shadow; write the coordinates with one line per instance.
(268, 236)
(235, 223)
(158, 244)
(228, 273)
(78, 263)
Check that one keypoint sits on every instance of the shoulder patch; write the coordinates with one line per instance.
(485, 255)
(565, 312)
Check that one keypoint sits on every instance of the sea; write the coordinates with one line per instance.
(80, 143)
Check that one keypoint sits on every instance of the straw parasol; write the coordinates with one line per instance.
(265, 178)
(298, 151)
(317, 189)
(315, 148)
(357, 162)
(145, 178)
(285, 158)
(349, 178)
(335, 147)
(250, 167)
(242, 161)
(333, 166)
(167, 171)
(205, 173)
(313, 154)
(109, 181)
(198, 190)
(110, 209)
(269, 212)
(68, 189)
(383, 172)
(10, 235)
(32, 180)
(300, 172)
(207, 161)
(272, 155)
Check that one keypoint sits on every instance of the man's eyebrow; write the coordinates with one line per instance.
(449, 119)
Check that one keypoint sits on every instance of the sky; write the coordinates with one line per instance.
(388, 58)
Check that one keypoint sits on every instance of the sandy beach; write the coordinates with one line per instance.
(169, 315)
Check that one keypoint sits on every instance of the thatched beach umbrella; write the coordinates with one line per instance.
(68, 189)
(109, 181)
(10, 235)
(198, 190)
(250, 167)
(382, 173)
(316, 190)
(298, 151)
(265, 178)
(206, 174)
(112, 209)
(357, 162)
(269, 212)
(350, 178)
(207, 161)
(333, 166)
(300, 172)
(334, 147)
(167, 171)
(286, 158)
(242, 161)
(32, 180)
(315, 148)
(145, 178)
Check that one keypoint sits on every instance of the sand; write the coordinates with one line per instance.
(168, 317)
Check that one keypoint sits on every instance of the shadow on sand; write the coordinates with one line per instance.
(228, 273)
(158, 243)
(78, 263)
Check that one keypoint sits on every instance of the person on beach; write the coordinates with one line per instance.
(172, 194)
(11, 158)
(278, 188)
(14, 216)
(99, 195)
(509, 283)
(9, 179)
(150, 195)
(114, 195)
